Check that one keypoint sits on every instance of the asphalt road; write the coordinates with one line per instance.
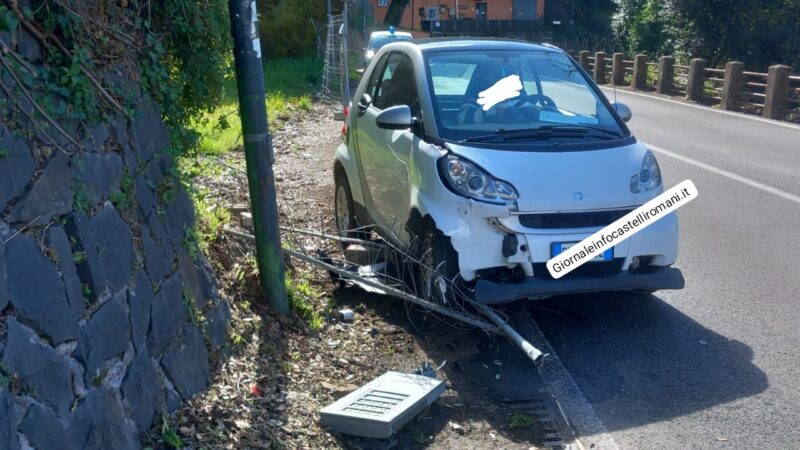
(717, 364)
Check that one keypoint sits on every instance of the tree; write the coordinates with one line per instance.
(757, 32)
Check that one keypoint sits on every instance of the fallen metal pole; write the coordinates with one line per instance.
(333, 237)
(394, 292)
(533, 353)
(500, 325)
(258, 151)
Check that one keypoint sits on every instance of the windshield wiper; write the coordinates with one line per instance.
(545, 132)
(573, 126)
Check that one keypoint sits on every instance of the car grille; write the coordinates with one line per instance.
(572, 220)
(590, 269)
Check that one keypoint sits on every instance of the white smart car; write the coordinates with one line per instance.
(488, 157)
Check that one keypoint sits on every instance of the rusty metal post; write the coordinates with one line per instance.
(618, 68)
(666, 74)
(697, 79)
(600, 67)
(731, 84)
(777, 91)
(640, 72)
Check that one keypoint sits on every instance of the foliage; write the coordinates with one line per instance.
(592, 21)
(755, 32)
(189, 61)
(302, 297)
(289, 84)
(287, 26)
(94, 52)
(169, 435)
(520, 421)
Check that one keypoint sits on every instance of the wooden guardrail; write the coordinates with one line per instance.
(775, 94)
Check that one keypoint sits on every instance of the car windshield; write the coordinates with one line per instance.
(479, 95)
(377, 42)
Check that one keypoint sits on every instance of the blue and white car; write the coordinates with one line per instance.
(380, 38)
(486, 158)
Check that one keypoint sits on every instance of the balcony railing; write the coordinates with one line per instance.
(472, 26)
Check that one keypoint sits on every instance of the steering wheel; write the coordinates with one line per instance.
(468, 112)
(540, 100)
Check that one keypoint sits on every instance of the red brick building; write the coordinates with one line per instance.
(401, 13)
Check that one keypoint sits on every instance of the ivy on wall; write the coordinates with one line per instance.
(96, 54)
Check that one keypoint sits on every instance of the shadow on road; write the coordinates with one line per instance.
(639, 360)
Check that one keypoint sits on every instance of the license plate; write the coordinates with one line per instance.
(561, 247)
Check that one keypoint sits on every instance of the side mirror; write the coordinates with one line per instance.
(395, 118)
(364, 103)
(624, 112)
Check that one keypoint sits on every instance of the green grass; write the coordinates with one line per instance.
(289, 84)
(304, 300)
(520, 421)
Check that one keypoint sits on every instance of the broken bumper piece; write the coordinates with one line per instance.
(489, 292)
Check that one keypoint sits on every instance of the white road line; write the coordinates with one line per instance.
(577, 410)
(706, 108)
(733, 176)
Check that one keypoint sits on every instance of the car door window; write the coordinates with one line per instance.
(376, 77)
(397, 85)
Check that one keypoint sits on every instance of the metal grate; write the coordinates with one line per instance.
(377, 403)
(382, 406)
(572, 220)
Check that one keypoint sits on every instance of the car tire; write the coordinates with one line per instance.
(344, 210)
(438, 272)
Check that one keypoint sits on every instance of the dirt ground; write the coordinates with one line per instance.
(276, 374)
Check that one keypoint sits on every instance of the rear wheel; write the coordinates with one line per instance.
(344, 209)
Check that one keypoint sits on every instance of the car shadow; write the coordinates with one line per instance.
(640, 360)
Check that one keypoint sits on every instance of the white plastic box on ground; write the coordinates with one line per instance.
(382, 406)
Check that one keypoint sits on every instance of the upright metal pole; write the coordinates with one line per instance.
(346, 77)
(572, 22)
(258, 151)
(364, 19)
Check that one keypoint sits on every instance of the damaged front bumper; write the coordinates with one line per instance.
(489, 292)
(482, 235)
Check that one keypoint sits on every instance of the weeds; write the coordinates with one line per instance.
(520, 421)
(169, 435)
(304, 103)
(421, 439)
(302, 297)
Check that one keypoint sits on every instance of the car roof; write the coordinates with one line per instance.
(471, 43)
(387, 33)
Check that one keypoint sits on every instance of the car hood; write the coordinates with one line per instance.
(563, 180)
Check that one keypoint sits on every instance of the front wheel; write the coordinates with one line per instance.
(438, 274)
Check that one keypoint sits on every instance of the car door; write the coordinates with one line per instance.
(384, 154)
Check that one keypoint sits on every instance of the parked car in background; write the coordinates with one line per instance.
(380, 38)
(486, 158)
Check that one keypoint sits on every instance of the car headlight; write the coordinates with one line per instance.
(370, 54)
(469, 180)
(649, 176)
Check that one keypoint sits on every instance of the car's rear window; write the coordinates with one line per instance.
(377, 42)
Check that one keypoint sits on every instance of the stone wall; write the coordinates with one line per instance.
(107, 311)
